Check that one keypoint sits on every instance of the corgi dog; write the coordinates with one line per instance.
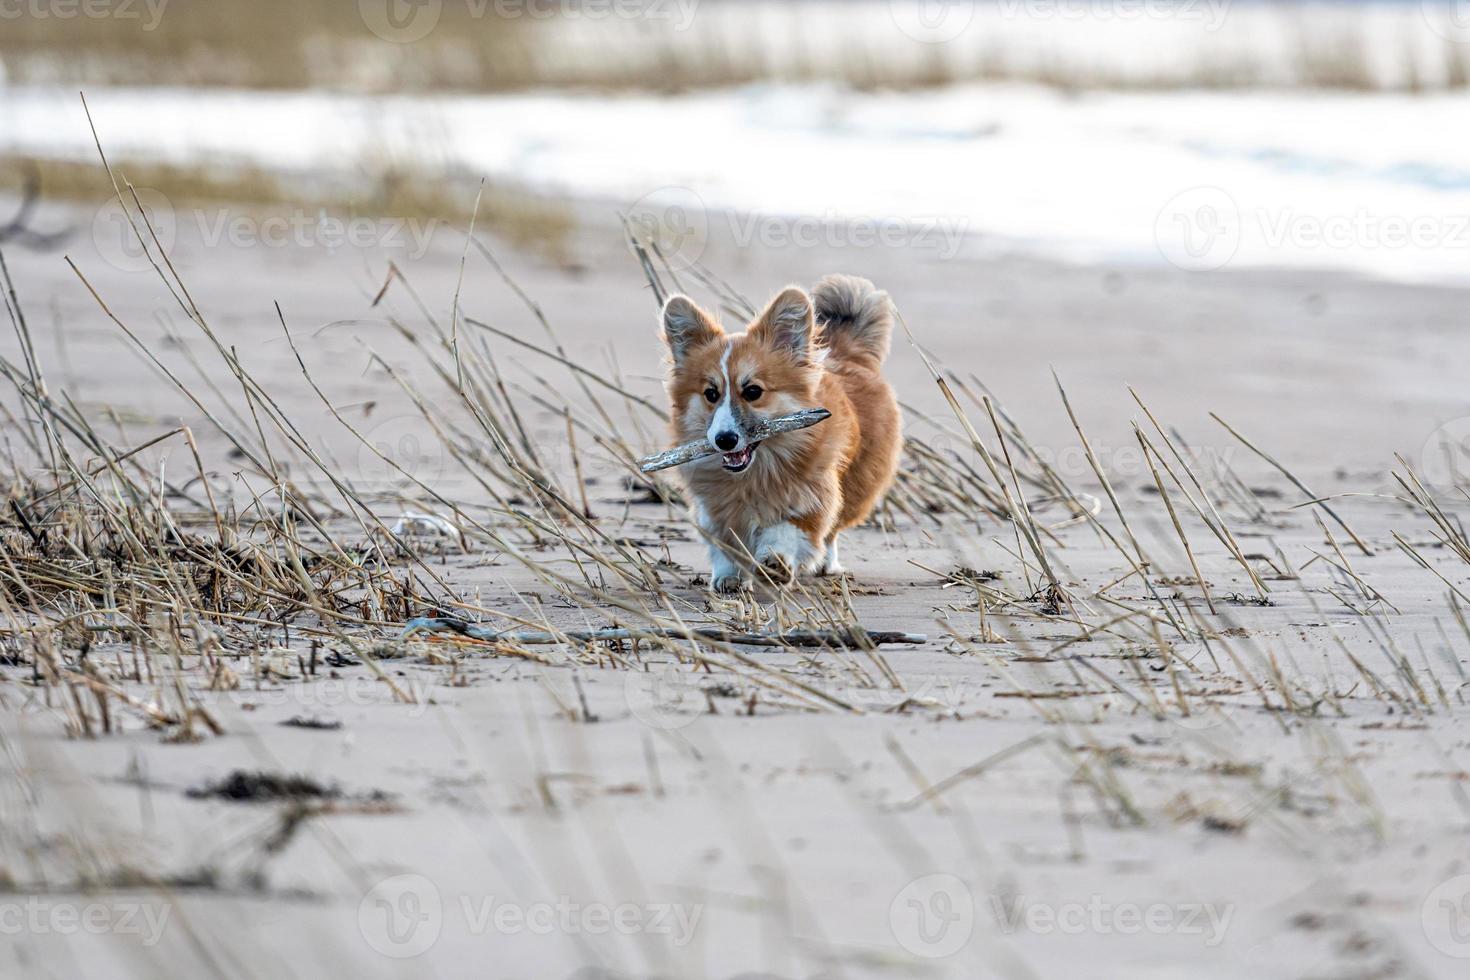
(782, 501)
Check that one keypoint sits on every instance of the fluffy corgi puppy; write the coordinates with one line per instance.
(783, 501)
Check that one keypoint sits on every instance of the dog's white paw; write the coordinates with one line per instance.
(724, 575)
(729, 584)
(828, 563)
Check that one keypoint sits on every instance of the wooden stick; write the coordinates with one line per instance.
(795, 638)
(763, 429)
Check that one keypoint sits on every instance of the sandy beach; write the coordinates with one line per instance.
(1121, 782)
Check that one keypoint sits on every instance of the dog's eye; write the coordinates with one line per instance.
(751, 392)
(711, 394)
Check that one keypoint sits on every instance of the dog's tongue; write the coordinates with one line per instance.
(740, 458)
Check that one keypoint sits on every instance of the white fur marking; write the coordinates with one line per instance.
(724, 419)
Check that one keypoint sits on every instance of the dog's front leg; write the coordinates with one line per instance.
(783, 550)
(725, 574)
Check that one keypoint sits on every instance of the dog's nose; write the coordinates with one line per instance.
(726, 441)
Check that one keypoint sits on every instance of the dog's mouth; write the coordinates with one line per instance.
(735, 462)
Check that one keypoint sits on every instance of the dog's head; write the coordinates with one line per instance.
(721, 383)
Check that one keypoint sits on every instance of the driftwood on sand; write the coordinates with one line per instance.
(854, 637)
(763, 429)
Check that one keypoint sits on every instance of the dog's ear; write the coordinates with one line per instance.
(787, 323)
(686, 326)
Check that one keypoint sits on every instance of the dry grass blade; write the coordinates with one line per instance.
(1020, 520)
(1148, 455)
(1296, 483)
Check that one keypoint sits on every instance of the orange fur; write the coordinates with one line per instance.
(814, 482)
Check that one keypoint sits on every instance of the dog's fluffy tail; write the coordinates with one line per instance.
(856, 319)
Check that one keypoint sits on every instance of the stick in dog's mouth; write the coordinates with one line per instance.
(734, 462)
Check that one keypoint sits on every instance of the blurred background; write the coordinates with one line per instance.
(681, 45)
(1202, 133)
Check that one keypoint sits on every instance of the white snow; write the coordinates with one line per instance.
(1374, 183)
